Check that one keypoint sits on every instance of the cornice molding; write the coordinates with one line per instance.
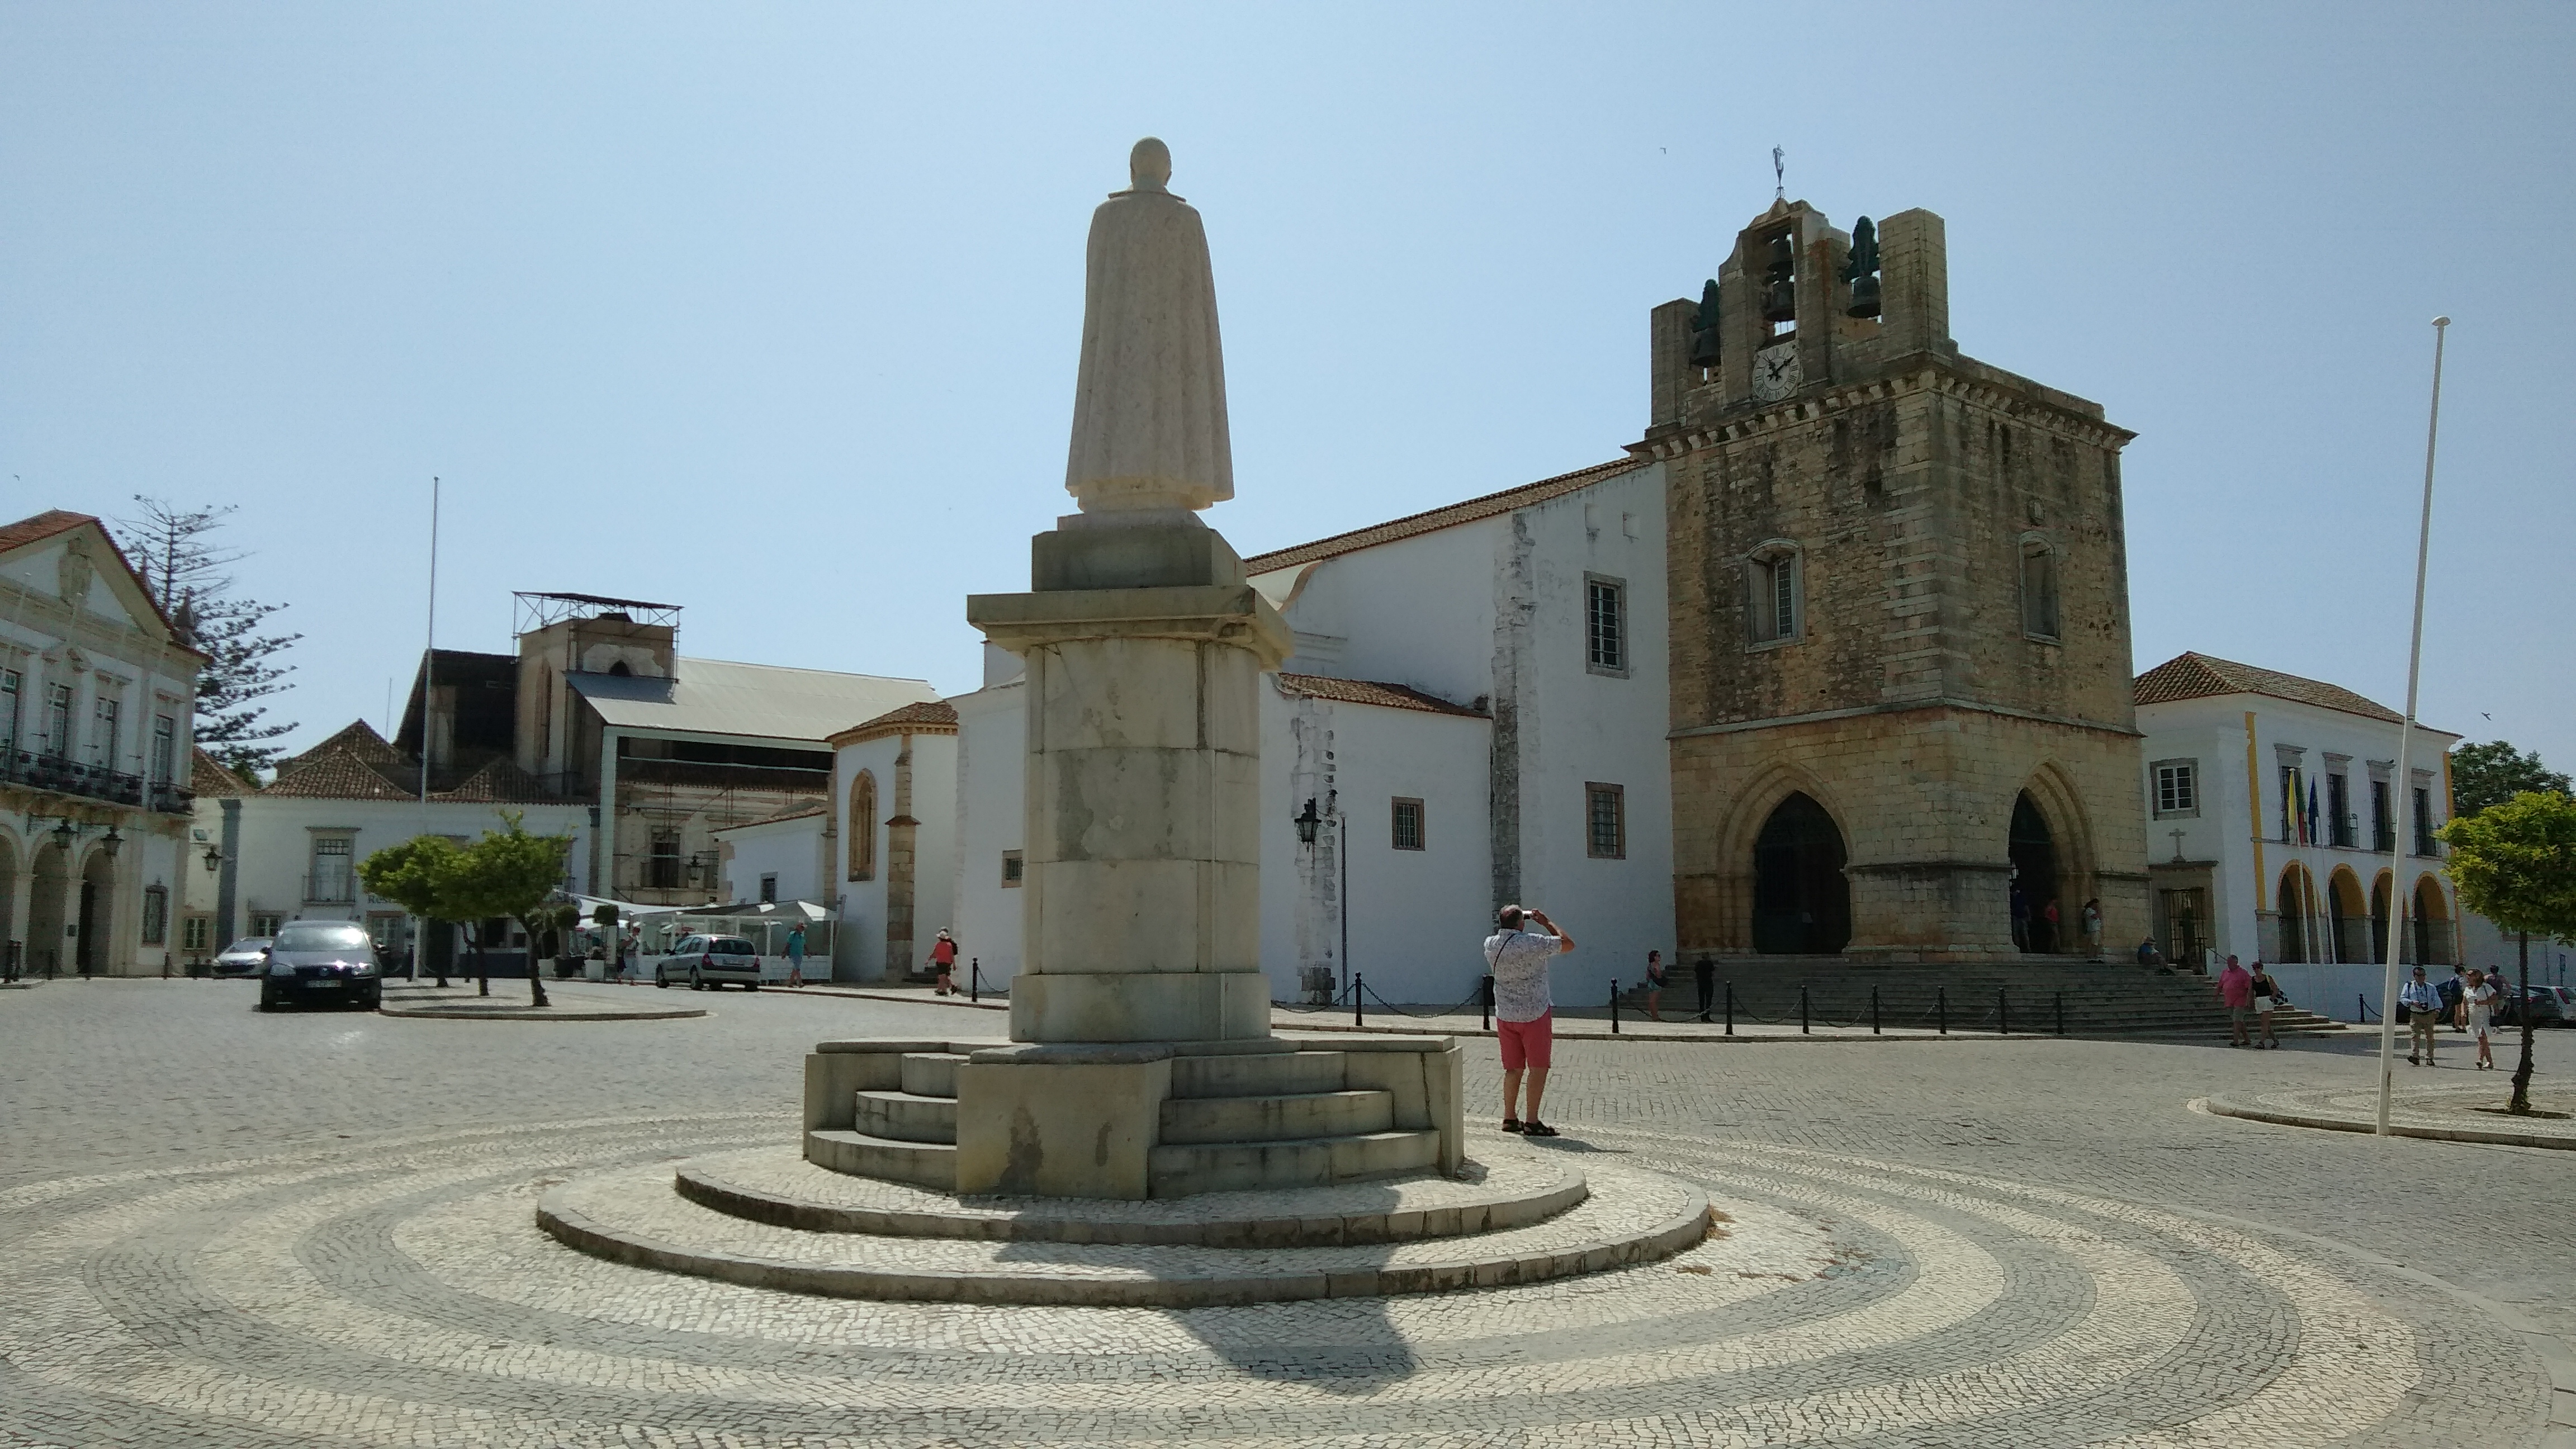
(1679, 440)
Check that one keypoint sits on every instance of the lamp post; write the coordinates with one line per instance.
(1309, 822)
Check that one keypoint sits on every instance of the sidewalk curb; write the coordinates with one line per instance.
(2221, 1107)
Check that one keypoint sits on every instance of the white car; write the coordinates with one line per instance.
(701, 962)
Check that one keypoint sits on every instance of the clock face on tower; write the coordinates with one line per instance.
(1776, 373)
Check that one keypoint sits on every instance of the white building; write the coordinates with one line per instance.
(96, 698)
(895, 780)
(2272, 827)
(290, 851)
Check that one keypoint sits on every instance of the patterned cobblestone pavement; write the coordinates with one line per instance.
(226, 1228)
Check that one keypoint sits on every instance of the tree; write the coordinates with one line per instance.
(189, 575)
(2515, 864)
(2490, 774)
(414, 876)
(510, 873)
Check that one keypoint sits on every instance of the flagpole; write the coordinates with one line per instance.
(428, 654)
(2405, 781)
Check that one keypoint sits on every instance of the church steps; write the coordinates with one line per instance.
(2099, 999)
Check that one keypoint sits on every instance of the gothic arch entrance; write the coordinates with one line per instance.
(2034, 878)
(1801, 898)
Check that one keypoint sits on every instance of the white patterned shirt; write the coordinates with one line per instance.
(1519, 962)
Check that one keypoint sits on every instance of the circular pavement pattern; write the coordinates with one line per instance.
(2458, 1113)
(399, 1292)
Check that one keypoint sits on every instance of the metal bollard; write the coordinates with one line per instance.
(1941, 1008)
(1485, 1006)
(1359, 1006)
(974, 978)
(1730, 1008)
(1614, 1006)
(1873, 1011)
(2360, 1008)
(2003, 1014)
(1802, 1013)
(2061, 1013)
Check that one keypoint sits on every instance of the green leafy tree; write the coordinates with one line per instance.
(415, 876)
(2492, 773)
(190, 575)
(514, 874)
(2515, 864)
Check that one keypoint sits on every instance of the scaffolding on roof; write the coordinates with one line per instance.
(535, 611)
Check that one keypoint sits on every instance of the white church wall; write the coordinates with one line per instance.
(791, 850)
(992, 763)
(859, 943)
(1415, 916)
(1416, 612)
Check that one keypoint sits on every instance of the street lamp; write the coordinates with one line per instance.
(214, 859)
(1307, 823)
(112, 843)
(63, 833)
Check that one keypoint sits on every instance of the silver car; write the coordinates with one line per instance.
(324, 962)
(710, 961)
(246, 957)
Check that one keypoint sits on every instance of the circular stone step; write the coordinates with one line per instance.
(777, 1186)
(632, 1216)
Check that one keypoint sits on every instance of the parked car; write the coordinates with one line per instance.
(709, 961)
(321, 961)
(246, 957)
(2544, 1003)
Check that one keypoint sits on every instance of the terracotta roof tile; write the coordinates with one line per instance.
(501, 782)
(932, 716)
(208, 777)
(43, 526)
(1439, 518)
(360, 738)
(336, 774)
(2198, 676)
(1370, 691)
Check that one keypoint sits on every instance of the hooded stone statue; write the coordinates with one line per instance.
(1149, 431)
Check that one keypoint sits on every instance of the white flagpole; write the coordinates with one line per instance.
(2404, 782)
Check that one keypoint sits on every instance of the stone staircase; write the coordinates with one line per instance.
(2098, 998)
(1233, 1122)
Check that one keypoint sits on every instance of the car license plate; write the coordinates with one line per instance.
(323, 983)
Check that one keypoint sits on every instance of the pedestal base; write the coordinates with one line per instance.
(1142, 1006)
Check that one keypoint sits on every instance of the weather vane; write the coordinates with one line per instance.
(1779, 175)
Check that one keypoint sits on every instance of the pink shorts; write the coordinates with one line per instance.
(1527, 1043)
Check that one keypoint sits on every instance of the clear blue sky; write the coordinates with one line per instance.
(771, 310)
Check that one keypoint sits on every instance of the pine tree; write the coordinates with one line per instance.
(189, 574)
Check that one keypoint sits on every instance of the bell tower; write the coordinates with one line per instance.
(1901, 680)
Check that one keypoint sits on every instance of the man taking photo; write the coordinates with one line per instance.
(1524, 1013)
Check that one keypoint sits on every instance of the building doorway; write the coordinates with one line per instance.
(97, 919)
(2034, 878)
(2295, 914)
(2344, 917)
(1801, 898)
(45, 924)
(2432, 924)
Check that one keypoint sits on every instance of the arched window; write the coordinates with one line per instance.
(1775, 594)
(2038, 586)
(862, 827)
(620, 671)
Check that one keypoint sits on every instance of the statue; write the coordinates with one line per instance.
(1861, 270)
(1704, 334)
(1149, 430)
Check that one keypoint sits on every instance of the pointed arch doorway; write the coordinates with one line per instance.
(2034, 877)
(1801, 898)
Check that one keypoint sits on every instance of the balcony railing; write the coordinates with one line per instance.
(330, 889)
(2347, 831)
(39, 771)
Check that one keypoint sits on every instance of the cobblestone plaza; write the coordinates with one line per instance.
(227, 1228)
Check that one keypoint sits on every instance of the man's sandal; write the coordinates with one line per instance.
(1536, 1128)
(1511, 1124)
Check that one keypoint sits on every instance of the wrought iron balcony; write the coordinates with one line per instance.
(36, 770)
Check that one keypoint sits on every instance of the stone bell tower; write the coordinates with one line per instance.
(1901, 680)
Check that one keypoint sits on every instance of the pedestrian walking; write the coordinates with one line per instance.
(2422, 1003)
(2479, 1004)
(630, 956)
(796, 954)
(2093, 929)
(1524, 1012)
(2236, 988)
(2267, 995)
(1655, 985)
(2020, 919)
(2455, 998)
(1704, 973)
(943, 962)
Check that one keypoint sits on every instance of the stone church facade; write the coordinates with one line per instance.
(1901, 717)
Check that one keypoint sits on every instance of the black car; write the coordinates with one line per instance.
(2545, 1004)
(321, 962)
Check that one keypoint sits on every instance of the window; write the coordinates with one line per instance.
(2425, 844)
(156, 915)
(1605, 822)
(165, 748)
(863, 827)
(197, 933)
(102, 735)
(2294, 809)
(2177, 787)
(1605, 624)
(769, 889)
(662, 868)
(1011, 869)
(264, 923)
(2339, 821)
(9, 680)
(1775, 602)
(2038, 588)
(331, 882)
(2383, 819)
(1407, 833)
(58, 721)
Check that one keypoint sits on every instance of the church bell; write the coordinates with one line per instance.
(1864, 298)
(1780, 295)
